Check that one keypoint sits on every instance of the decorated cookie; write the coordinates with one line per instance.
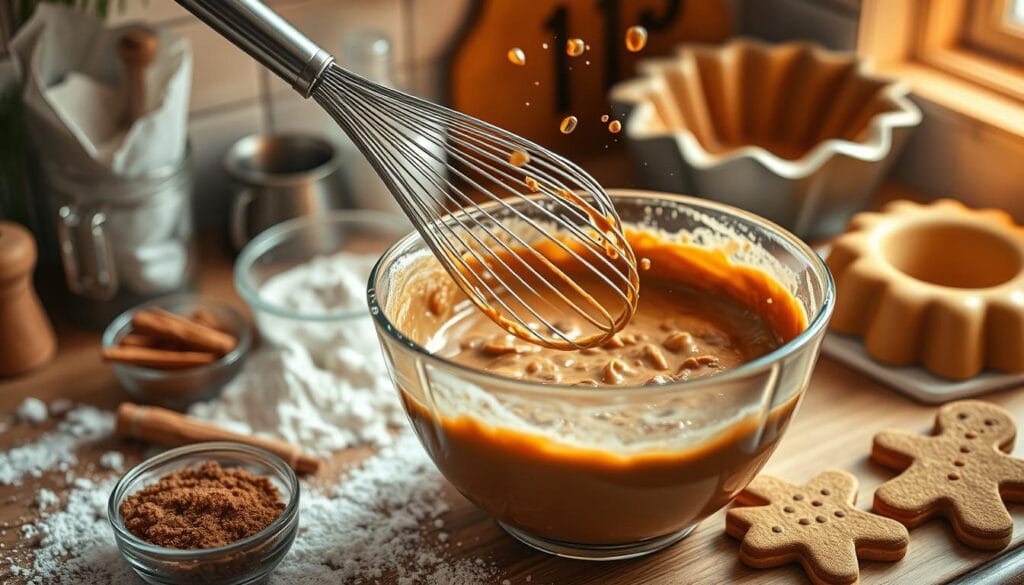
(816, 525)
(961, 472)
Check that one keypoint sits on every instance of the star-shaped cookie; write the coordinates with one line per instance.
(961, 472)
(815, 524)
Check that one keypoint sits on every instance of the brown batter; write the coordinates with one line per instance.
(677, 333)
(698, 315)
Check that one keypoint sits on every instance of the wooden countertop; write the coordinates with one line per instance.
(833, 428)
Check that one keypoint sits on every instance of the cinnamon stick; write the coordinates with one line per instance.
(190, 334)
(138, 340)
(161, 359)
(206, 317)
(171, 429)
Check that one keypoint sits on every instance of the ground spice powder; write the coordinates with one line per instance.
(205, 506)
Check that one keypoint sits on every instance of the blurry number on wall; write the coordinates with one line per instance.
(533, 99)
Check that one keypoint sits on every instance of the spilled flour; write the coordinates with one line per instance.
(323, 385)
(55, 450)
(369, 529)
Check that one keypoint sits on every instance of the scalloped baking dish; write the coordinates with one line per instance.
(792, 132)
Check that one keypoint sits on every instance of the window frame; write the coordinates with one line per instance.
(891, 37)
(950, 39)
(988, 29)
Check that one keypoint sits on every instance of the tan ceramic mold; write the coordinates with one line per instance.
(940, 285)
(790, 106)
(792, 132)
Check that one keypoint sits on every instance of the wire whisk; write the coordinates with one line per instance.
(530, 238)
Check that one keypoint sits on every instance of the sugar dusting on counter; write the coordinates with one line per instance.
(324, 385)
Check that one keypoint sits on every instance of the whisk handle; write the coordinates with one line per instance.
(265, 36)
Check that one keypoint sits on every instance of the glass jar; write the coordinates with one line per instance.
(121, 240)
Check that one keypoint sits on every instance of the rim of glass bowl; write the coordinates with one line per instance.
(278, 233)
(797, 246)
(241, 347)
(273, 461)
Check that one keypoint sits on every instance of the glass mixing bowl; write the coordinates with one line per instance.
(611, 473)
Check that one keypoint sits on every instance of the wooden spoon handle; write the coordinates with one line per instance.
(137, 49)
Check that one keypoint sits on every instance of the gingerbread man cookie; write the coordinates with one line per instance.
(961, 472)
(816, 524)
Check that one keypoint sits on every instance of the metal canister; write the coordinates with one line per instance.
(278, 177)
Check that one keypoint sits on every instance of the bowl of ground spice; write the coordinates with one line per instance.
(215, 513)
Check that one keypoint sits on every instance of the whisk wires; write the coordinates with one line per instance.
(528, 236)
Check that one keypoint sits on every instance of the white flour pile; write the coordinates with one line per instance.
(55, 449)
(368, 528)
(324, 386)
(76, 544)
(325, 284)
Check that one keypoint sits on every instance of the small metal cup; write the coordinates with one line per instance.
(278, 177)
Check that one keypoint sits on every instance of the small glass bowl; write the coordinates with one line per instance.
(297, 241)
(177, 389)
(246, 561)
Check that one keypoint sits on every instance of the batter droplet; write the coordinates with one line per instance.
(516, 56)
(518, 158)
(575, 47)
(615, 126)
(636, 38)
(568, 124)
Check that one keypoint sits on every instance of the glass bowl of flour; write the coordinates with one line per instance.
(318, 379)
(305, 279)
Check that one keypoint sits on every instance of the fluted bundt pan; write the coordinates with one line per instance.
(792, 132)
(940, 285)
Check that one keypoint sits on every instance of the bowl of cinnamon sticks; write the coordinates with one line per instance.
(177, 350)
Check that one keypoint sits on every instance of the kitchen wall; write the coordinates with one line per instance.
(230, 94)
(946, 156)
(831, 23)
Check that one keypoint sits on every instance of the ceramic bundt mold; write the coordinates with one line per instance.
(940, 285)
(792, 132)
